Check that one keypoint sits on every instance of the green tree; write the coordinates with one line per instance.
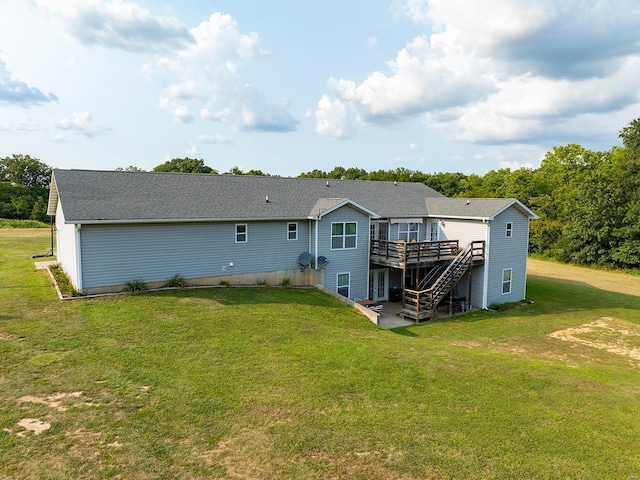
(130, 168)
(184, 165)
(24, 170)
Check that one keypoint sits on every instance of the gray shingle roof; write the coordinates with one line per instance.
(90, 195)
(111, 196)
(472, 207)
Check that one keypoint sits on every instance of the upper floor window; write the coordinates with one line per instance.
(343, 235)
(408, 231)
(292, 231)
(241, 232)
(434, 231)
(509, 231)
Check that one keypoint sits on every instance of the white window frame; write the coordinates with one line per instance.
(240, 234)
(508, 232)
(507, 283)
(294, 231)
(347, 286)
(406, 229)
(434, 227)
(344, 236)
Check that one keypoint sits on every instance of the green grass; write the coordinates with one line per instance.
(288, 383)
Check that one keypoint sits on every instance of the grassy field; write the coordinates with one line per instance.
(280, 383)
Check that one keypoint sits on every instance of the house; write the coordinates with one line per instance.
(366, 240)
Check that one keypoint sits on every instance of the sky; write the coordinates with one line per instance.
(289, 86)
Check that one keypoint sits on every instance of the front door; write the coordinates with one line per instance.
(379, 285)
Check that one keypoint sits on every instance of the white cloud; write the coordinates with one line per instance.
(205, 77)
(214, 139)
(332, 119)
(117, 24)
(192, 151)
(527, 71)
(413, 147)
(515, 165)
(16, 92)
(80, 123)
(372, 41)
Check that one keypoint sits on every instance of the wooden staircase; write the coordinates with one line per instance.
(421, 304)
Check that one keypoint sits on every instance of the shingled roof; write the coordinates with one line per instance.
(90, 196)
(474, 208)
(93, 196)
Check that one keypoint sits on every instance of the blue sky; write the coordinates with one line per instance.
(290, 86)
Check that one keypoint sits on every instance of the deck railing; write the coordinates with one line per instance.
(409, 252)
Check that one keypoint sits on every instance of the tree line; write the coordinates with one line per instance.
(588, 202)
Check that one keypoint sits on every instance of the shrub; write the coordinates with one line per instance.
(177, 281)
(286, 283)
(135, 286)
(262, 283)
(224, 282)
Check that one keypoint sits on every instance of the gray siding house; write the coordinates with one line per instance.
(365, 240)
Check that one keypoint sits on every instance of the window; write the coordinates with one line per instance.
(342, 285)
(434, 231)
(343, 235)
(509, 230)
(506, 281)
(241, 232)
(408, 232)
(292, 231)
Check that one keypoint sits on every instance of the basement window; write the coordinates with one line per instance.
(506, 280)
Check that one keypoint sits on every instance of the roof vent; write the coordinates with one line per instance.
(327, 183)
(468, 201)
(395, 182)
(266, 198)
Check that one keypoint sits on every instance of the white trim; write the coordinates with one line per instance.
(344, 236)
(341, 204)
(431, 224)
(294, 231)
(78, 256)
(245, 233)
(487, 264)
(406, 220)
(348, 285)
(510, 270)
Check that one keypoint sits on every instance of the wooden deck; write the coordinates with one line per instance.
(402, 254)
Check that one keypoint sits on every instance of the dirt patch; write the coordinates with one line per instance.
(59, 401)
(603, 280)
(30, 425)
(606, 334)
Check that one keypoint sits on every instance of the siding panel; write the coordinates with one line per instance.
(508, 252)
(115, 254)
(355, 261)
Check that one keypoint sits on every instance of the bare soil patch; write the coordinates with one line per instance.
(603, 280)
(30, 425)
(606, 334)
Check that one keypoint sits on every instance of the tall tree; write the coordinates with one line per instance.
(26, 171)
(184, 165)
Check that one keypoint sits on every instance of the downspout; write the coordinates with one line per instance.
(485, 281)
(315, 252)
(78, 256)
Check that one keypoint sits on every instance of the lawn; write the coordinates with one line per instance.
(269, 383)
